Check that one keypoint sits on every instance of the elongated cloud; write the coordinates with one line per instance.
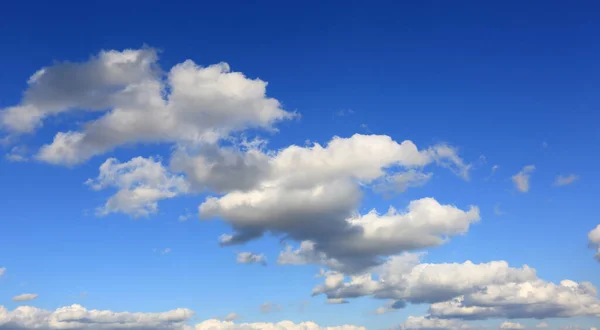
(511, 326)
(251, 258)
(467, 290)
(563, 180)
(78, 317)
(138, 104)
(25, 297)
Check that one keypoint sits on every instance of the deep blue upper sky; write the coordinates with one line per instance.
(515, 81)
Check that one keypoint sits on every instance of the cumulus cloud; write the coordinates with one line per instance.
(139, 104)
(78, 317)
(311, 194)
(541, 325)
(530, 299)
(431, 323)
(511, 326)
(25, 297)
(466, 290)
(404, 278)
(251, 258)
(141, 183)
(521, 179)
(594, 237)
(269, 307)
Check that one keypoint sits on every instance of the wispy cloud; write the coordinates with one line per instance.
(565, 180)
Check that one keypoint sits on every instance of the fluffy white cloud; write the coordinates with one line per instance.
(430, 323)
(531, 299)
(25, 297)
(192, 104)
(2, 271)
(521, 179)
(142, 182)
(467, 290)
(251, 258)
(511, 326)
(403, 278)
(565, 180)
(311, 194)
(283, 325)
(78, 317)
(541, 325)
(594, 237)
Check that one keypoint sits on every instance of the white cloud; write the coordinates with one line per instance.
(311, 194)
(269, 307)
(25, 297)
(565, 180)
(594, 237)
(431, 323)
(511, 326)
(2, 271)
(521, 179)
(542, 325)
(142, 182)
(192, 104)
(403, 278)
(78, 317)
(232, 317)
(283, 325)
(251, 258)
(336, 301)
(530, 299)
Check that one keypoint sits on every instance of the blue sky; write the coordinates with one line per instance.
(507, 85)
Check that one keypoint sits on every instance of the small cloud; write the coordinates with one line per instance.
(83, 295)
(269, 307)
(251, 258)
(185, 217)
(162, 252)
(336, 301)
(521, 179)
(25, 297)
(344, 112)
(17, 154)
(542, 325)
(390, 307)
(497, 210)
(2, 271)
(232, 317)
(565, 180)
(365, 127)
(511, 326)
(494, 169)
